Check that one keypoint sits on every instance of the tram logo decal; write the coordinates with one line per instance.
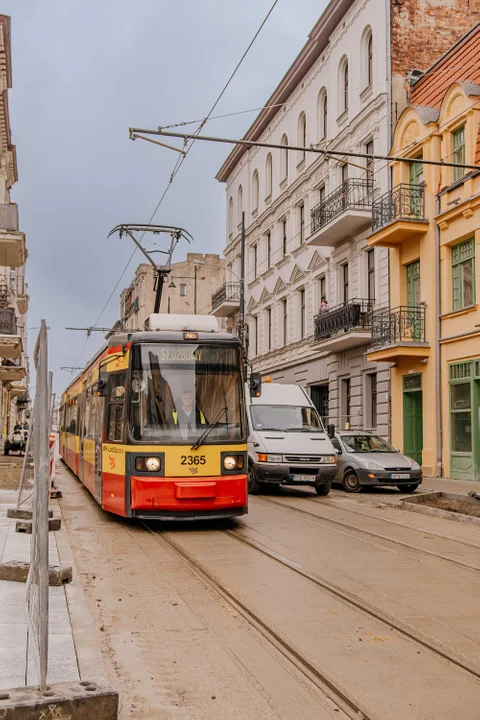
(193, 470)
(111, 460)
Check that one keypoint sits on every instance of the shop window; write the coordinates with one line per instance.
(463, 274)
(461, 417)
(116, 407)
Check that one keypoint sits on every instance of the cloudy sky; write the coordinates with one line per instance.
(83, 73)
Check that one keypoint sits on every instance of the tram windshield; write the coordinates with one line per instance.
(177, 391)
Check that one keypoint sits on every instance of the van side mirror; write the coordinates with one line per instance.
(255, 385)
(102, 384)
(331, 431)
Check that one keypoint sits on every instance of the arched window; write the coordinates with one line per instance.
(302, 135)
(284, 159)
(345, 86)
(255, 190)
(230, 216)
(343, 81)
(268, 175)
(240, 204)
(322, 114)
(369, 59)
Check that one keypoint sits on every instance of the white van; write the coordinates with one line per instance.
(287, 443)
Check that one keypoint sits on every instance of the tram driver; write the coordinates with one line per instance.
(188, 417)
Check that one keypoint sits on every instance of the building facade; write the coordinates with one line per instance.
(13, 254)
(308, 216)
(188, 289)
(431, 222)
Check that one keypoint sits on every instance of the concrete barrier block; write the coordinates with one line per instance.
(18, 571)
(25, 526)
(15, 514)
(62, 701)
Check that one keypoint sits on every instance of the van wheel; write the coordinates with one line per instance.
(323, 489)
(6, 451)
(350, 482)
(254, 486)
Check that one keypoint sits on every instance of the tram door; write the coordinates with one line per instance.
(99, 425)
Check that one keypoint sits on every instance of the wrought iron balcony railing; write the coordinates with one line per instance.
(404, 202)
(353, 194)
(228, 292)
(353, 314)
(405, 324)
(8, 321)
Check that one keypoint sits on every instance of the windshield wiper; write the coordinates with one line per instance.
(209, 428)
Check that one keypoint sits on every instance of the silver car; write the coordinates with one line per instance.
(364, 458)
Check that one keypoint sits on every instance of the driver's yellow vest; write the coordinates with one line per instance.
(175, 417)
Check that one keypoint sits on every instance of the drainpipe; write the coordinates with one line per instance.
(388, 19)
(438, 372)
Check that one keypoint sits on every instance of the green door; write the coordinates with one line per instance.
(411, 323)
(413, 417)
(416, 177)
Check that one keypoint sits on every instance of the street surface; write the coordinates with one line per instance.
(306, 608)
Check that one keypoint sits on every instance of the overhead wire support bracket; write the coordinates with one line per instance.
(134, 136)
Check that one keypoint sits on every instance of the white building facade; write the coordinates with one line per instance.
(308, 217)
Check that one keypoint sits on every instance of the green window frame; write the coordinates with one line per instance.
(458, 137)
(463, 275)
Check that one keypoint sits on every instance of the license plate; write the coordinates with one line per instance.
(303, 478)
(400, 476)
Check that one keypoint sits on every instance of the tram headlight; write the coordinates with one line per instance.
(148, 464)
(233, 462)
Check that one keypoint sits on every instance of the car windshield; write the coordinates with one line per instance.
(178, 389)
(366, 444)
(285, 418)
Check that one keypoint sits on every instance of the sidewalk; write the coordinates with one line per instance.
(63, 666)
(456, 487)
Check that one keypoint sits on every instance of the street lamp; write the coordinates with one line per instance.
(196, 263)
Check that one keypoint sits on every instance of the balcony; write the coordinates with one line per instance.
(398, 333)
(10, 341)
(12, 242)
(344, 326)
(343, 213)
(226, 300)
(12, 371)
(398, 215)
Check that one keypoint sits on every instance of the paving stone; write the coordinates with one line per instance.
(75, 701)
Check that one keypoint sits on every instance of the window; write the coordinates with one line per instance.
(230, 216)
(321, 194)
(240, 205)
(301, 223)
(346, 400)
(284, 237)
(344, 173)
(255, 261)
(345, 86)
(302, 135)
(369, 60)
(284, 160)
(285, 320)
(343, 89)
(461, 417)
(255, 334)
(371, 274)
(183, 289)
(372, 382)
(322, 288)
(416, 171)
(116, 407)
(322, 114)
(345, 282)
(269, 249)
(302, 312)
(269, 329)
(255, 191)
(370, 162)
(463, 274)
(459, 152)
(268, 176)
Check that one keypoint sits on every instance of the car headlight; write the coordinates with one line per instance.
(328, 459)
(148, 464)
(415, 465)
(374, 466)
(233, 462)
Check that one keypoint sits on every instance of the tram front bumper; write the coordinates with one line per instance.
(209, 495)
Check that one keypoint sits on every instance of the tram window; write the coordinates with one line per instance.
(72, 418)
(116, 407)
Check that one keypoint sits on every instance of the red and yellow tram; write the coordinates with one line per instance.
(155, 425)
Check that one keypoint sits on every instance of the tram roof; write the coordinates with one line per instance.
(171, 336)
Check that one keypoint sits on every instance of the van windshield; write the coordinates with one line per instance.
(285, 418)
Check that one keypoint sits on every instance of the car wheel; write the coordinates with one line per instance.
(323, 489)
(350, 481)
(408, 488)
(254, 486)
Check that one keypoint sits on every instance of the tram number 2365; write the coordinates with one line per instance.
(193, 460)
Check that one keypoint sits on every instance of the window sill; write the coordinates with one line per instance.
(254, 282)
(255, 212)
(283, 184)
(299, 249)
(283, 261)
(301, 164)
(457, 313)
(367, 93)
(341, 120)
(268, 199)
(268, 272)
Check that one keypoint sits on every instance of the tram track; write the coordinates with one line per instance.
(336, 693)
(321, 519)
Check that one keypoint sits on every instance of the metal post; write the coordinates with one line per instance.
(194, 289)
(241, 314)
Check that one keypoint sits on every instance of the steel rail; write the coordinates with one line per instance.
(378, 536)
(338, 695)
(362, 605)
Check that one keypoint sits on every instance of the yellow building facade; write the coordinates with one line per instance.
(430, 334)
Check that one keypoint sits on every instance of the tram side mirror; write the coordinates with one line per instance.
(331, 431)
(102, 384)
(255, 385)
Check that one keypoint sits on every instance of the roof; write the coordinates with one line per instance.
(427, 114)
(318, 40)
(459, 64)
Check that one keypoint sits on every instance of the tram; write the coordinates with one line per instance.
(155, 425)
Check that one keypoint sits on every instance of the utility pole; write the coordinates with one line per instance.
(241, 313)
